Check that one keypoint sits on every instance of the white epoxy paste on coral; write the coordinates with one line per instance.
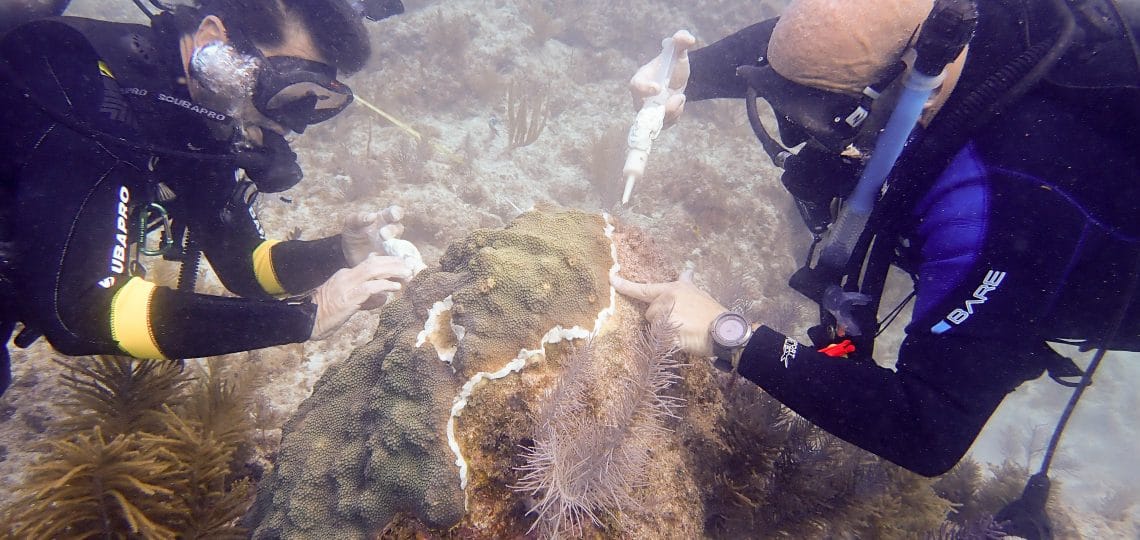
(605, 314)
(446, 353)
(461, 401)
(554, 335)
(398, 247)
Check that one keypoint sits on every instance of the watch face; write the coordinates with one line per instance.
(731, 330)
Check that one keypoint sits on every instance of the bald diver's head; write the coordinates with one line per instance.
(843, 45)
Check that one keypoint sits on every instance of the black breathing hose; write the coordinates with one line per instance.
(1012, 81)
(1086, 379)
(771, 147)
(1060, 46)
(142, 7)
(954, 125)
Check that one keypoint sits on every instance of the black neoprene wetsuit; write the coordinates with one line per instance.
(1029, 235)
(73, 91)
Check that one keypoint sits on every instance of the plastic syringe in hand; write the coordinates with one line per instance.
(649, 120)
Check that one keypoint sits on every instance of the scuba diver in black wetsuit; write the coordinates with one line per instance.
(114, 130)
(1013, 204)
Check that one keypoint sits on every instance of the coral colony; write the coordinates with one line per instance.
(381, 430)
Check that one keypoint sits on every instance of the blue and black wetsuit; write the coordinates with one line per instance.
(1028, 236)
(85, 107)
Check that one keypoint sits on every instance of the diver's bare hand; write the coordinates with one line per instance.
(364, 233)
(686, 306)
(364, 286)
(642, 85)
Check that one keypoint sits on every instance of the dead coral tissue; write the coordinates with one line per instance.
(592, 440)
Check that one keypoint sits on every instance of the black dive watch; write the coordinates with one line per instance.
(729, 333)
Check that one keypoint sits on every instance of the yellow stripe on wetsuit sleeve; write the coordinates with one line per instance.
(263, 268)
(130, 319)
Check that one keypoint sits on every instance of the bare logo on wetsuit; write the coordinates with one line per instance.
(981, 294)
(789, 353)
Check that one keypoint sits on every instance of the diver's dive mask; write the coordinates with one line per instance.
(295, 93)
(291, 91)
(298, 93)
(828, 124)
(831, 119)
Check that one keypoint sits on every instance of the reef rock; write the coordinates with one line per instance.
(382, 434)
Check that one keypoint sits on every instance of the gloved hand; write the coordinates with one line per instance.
(841, 304)
(689, 308)
(642, 87)
(364, 286)
(365, 232)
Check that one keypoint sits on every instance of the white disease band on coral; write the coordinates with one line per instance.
(430, 334)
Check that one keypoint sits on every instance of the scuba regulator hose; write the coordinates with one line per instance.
(1026, 516)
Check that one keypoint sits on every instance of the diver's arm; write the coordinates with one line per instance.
(85, 304)
(923, 417)
(172, 324)
(255, 267)
(91, 309)
(223, 225)
(297, 266)
(712, 71)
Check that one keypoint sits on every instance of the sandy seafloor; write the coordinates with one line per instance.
(709, 197)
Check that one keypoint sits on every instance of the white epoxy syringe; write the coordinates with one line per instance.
(649, 120)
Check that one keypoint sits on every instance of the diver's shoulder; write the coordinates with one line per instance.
(63, 36)
(36, 31)
(42, 43)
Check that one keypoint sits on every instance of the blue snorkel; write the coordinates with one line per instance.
(917, 88)
(944, 34)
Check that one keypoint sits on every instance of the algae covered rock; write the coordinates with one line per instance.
(372, 440)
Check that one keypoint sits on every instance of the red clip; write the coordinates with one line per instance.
(839, 350)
